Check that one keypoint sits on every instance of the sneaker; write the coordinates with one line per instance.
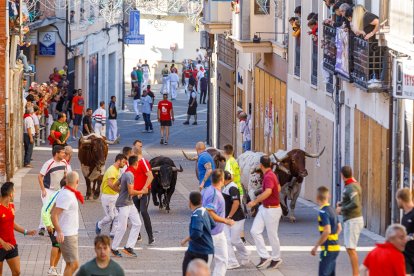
(232, 266)
(52, 271)
(151, 131)
(165, 142)
(195, 123)
(139, 237)
(42, 231)
(243, 240)
(151, 242)
(129, 252)
(263, 262)
(275, 264)
(162, 141)
(116, 253)
(137, 117)
(97, 229)
(186, 123)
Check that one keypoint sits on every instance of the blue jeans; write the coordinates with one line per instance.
(246, 146)
(147, 120)
(327, 263)
(28, 149)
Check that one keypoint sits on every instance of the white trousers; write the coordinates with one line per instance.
(113, 130)
(125, 213)
(136, 107)
(221, 256)
(233, 239)
(45, 199)
(186, 81)
(174, 86)
(108, 204)
(165, 85)
(100, 129)
(269, 218)
(145, 81)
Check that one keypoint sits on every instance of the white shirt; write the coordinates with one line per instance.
(200, 75)
(174, 77)
(200, 56)
(53, 172)
(146, 104)
(69, 218)
(100, 116)
(28, 123)
(245, 127)
(35, 119)
(198, 66)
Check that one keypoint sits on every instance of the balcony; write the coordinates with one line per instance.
(314, 72)
(329, 48)
(216, 17)
(297, 57)
(372, 65)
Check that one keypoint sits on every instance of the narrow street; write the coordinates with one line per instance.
(170, 228)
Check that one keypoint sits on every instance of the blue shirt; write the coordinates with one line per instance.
(200, 232)
(203, 159)
(214, 200)
(327, 216)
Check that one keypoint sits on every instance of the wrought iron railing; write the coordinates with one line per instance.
(329, 48)
(314, 72)
(372, 65)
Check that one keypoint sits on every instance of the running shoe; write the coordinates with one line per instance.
(232, 266)
(162, 141)
(42, 231)
(151, 131)
(263, 262)
(186, 123)
(165, 142)
(151, 242)
(195, 123)
(243, 240)
(129, 252)
(116, 253)
(139, 237)
(274, 264)
(52, 271)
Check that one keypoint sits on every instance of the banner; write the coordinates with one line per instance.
(133, 36)
(342, 52)
(47, 43)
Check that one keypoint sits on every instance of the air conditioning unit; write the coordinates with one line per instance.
(204, 40)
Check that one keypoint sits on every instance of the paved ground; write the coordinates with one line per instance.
(296, 239)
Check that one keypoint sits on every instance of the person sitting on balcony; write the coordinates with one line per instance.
(294, 21)
(364, 23)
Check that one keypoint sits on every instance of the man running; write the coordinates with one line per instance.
(51, 173)
(165, 117)
(78, 108)
(126, 210)
(110, 193)
(59, 131)
(8, 244)
(142, 180)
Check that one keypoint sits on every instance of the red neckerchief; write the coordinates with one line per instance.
(242, 120)
(26, 115)
(350, 181)
(78, 194)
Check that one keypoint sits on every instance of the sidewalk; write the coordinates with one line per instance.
(166, 256)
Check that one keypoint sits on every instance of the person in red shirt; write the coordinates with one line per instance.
(165, 117)
(268, 216)
(387, 258)
(8, 245)
(78, 109)
(142, 179)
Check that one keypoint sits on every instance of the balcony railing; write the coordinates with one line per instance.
(314, 74)
(329, 48)
(330, 84)
(297, 57)
(372, 65)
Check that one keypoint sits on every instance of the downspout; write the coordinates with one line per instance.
(7, 87)
(338, 156)
(123, 57)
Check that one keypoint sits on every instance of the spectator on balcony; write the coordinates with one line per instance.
(298, 11)
(364, 23)
(348, 18)
(294, 21)
(313, 26)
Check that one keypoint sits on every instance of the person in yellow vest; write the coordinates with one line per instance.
(110, 192)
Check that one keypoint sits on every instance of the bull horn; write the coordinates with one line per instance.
(116, 141)
(280, 160)
(156, 169)
(283, 169)
(83, 141)
(175, 169)
(315, 155)
(188, 158)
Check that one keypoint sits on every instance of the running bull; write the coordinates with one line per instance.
(165, 180)
(218, 157)
(290, 168)
(92, 154)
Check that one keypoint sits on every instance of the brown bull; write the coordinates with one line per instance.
(93, 151)
(291, 170)
(218, 157)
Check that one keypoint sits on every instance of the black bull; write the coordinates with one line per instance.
(291, 170)
(165, 180)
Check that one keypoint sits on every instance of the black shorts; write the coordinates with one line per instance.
(6, 255)
(78, 120)
(165, 123)
(54, 240)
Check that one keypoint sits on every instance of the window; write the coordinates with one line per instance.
(297, 57)
(314, 71)
(261, 6)
(330, 84)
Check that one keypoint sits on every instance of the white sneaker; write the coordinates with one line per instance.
(52, 271)
(232, 266)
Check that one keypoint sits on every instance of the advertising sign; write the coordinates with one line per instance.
(133, 36)
(47, 43)
(342, 52)
(404, 79)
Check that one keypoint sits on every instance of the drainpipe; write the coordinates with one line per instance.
(67, 34)
(7, 87)
(338, 157)
(393, 155)
(123, 57)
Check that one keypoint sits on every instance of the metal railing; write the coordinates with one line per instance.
(314, 71)
(329, 48)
